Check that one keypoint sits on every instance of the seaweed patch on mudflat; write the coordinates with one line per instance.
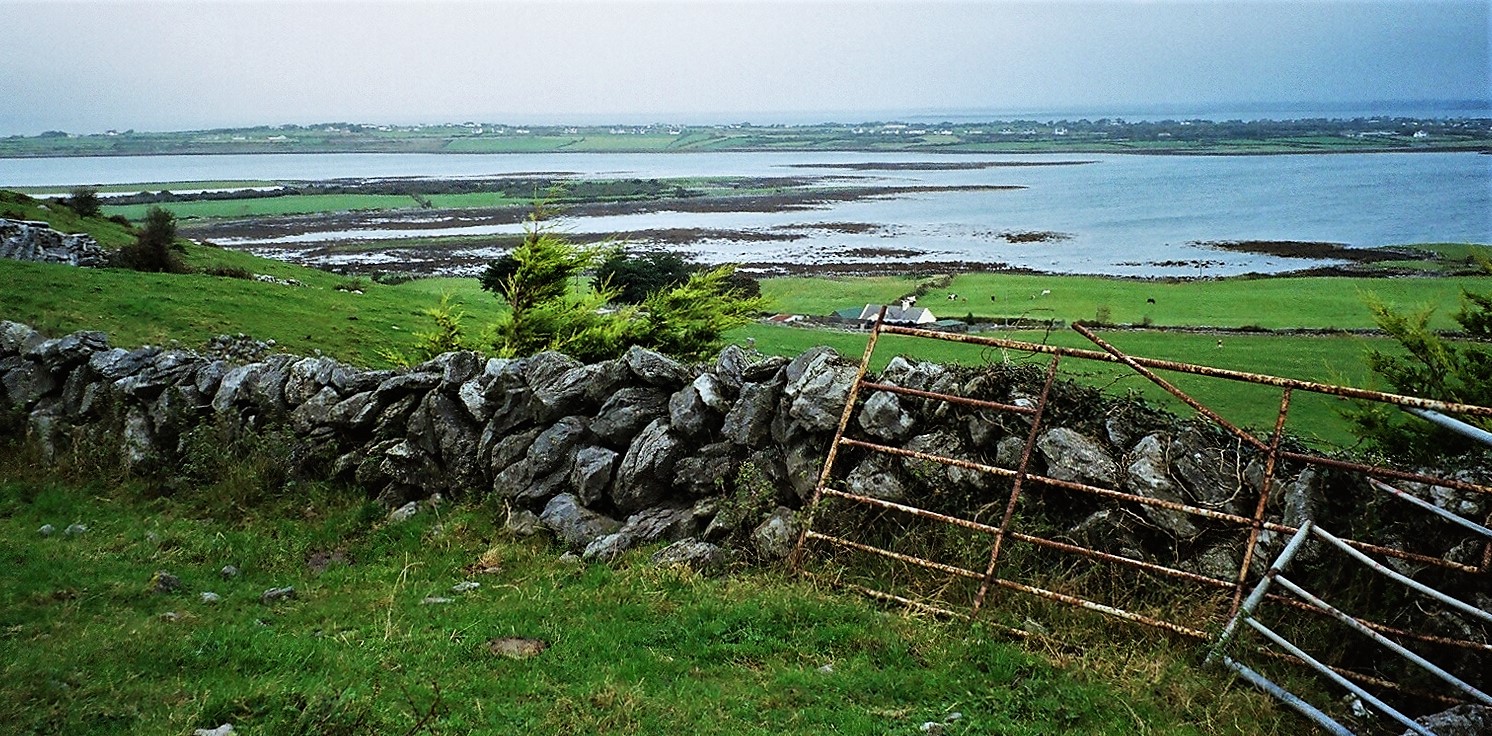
(1310, 250)
(937, 165)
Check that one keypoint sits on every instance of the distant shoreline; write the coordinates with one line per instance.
(1102, 136)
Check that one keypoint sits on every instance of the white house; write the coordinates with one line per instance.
(903, 314)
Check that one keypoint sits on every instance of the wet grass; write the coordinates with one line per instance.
(86, 645)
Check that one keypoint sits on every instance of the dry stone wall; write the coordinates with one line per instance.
(642, 448)
(26, 240)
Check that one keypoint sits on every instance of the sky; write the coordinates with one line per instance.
(156, 65)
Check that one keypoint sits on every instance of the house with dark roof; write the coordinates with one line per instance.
(903, 314)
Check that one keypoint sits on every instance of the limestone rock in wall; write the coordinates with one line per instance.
(1075, 457)
(818, 382)
(26, 240)
(644, 476)
(574, 524)
(1149, 475)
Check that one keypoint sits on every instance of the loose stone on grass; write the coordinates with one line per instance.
(278, 594)
(405, 512)
(164, 582)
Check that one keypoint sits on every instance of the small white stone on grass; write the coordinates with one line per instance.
(47, 530)
(228, 571)
(74, 530)
(403, 513)
(210, 597)
(223, 730)
(465, 586)
(434, 600)
(827, 669)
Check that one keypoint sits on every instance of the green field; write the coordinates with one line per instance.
(1335, 302)
(88, 646)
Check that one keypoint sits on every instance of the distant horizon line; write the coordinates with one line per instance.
(1137, 112)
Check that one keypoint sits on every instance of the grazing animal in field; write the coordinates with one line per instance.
(1151, 300)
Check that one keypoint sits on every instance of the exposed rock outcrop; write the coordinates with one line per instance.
(26, 240)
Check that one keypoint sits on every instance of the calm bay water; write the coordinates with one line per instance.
(1125, 215)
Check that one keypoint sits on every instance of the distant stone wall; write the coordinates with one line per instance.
(25, 240)
(641, 448)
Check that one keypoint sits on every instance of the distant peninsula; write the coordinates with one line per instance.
(1104, 135)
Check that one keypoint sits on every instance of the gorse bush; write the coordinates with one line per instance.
(553, 308)
(155, 248)
(1433, 366)
(85, 202)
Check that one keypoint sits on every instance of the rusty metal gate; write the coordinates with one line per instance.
(965, 586)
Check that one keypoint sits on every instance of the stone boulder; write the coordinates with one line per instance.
(775, 538)
(643, 527)
(574, 524)
(644, 476)
(1148, 474)
(1075, 457)
(882, 417)
(818, 382)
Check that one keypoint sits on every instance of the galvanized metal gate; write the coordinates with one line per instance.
(965, 588)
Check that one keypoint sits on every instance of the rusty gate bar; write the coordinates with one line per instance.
(1021, 474)
(1264, 491)
(1030, 539)
(966, 401)
(899, 557)
(1073, 600)
(1272, 453)
(1012, 585)
(899, 600)
(1186, 398)
(1379, 470)
(1347, 392)
(1242, 521)
(796, 559)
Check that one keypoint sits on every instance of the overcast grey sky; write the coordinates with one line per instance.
(89, 66)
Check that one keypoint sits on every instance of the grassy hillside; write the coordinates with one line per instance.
(108, 233)
(89, 645)
(139, 308)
